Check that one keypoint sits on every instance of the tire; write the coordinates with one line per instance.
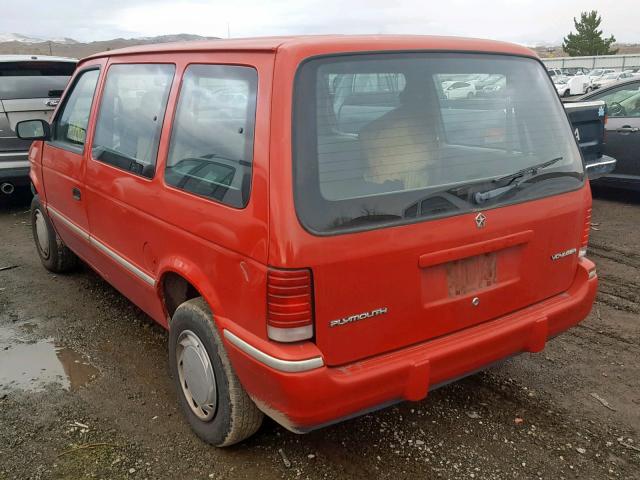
(54, 254)
(234, 417)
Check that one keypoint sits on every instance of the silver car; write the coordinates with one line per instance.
(30, 87)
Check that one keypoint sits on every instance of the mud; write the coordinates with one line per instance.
(104, 407)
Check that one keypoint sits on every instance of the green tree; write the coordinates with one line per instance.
(588, 40)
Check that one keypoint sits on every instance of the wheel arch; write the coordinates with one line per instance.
(180, 280)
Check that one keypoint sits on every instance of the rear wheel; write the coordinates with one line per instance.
(54, 254)
(211, 397)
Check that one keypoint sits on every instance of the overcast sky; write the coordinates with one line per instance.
(524, 21)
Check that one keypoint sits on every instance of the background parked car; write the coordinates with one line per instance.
(454, 90)
(597, 73)
(562, 86)
(571, 71)
(622, 132)
(30, 87)
(554, 72)
(571, 85)
(611, 78)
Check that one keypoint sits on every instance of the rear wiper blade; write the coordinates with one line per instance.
(511, 179)
(532, 170)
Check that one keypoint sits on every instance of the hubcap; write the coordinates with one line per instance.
(196, 376)
(42, 232)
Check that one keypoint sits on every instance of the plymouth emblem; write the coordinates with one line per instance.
(481, 220)
(338, 322)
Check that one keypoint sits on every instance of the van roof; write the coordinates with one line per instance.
(331, 43)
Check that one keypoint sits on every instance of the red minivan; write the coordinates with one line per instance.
(322, 224)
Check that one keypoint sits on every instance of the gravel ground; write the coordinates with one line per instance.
(85, 392)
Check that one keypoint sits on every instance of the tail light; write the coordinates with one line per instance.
(289, 305)
(584, 241)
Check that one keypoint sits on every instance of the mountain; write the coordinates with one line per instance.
(14, 43)
(16, 37)
(64, 41)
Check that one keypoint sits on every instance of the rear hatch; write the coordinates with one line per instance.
(29, 90)
(431, 214)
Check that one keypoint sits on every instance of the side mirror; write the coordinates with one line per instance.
(33, 130)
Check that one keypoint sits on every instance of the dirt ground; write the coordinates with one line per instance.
(85, 391)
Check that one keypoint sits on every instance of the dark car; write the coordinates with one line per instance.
(622, 132)
(30, 87)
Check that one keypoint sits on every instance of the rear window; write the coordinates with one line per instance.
(34, 79)
(36, 69)
(426, 135)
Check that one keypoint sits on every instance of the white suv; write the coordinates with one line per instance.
(30, 87)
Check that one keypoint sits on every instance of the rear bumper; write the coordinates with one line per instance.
(14, 168)
(301, 399)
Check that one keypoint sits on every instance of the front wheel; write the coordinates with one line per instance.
(211, 397)
(54, 254)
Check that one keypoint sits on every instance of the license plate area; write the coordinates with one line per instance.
(471, 274)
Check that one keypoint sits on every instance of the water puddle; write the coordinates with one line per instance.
(33, 364)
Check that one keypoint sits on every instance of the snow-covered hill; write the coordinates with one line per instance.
(16, 37)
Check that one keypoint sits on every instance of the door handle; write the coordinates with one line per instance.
(75, 193)
(628, 129)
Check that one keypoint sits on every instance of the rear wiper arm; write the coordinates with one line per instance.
(481, 197)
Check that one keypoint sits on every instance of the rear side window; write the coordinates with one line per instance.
(211, 149)
(427, 135)
(132, 109)
(70, 126)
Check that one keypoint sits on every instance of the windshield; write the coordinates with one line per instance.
(382, 139)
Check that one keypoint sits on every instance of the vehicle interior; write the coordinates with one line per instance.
(397, 130)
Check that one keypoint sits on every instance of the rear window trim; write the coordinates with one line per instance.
(63, 103)
(406, 222)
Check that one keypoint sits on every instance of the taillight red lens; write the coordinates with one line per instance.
(289, 305)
